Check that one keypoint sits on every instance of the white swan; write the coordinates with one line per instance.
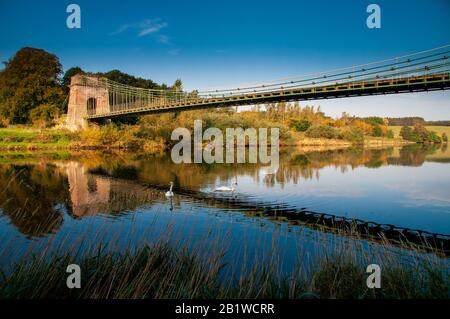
(170, 193)
(226, 188)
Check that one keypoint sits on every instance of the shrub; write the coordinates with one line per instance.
(110, 134)
(377, 131)
(390, 134)
(406, 132)
(43, 115)
(300, 125)
(91, 135)
(322, 131)
(4, 122)
(444, 138)
(353, 134)
(432, 137)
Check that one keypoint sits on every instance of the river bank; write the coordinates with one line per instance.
(31, 139)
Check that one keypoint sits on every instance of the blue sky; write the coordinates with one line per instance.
(215, 44)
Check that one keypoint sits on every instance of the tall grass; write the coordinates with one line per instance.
(164, 271)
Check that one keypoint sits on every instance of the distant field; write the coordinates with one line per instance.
(438, 129)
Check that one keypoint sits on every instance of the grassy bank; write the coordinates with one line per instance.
(134, 137)
(297, 126)
(106, 137)
(26, 138)
(163, 272)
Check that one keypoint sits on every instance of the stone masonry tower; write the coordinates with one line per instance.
(88, 96)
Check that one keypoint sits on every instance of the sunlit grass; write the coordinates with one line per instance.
(32, 139)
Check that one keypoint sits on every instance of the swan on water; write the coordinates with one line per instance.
(170, 193)
(226, 188)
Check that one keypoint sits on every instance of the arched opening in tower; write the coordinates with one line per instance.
(91, 105)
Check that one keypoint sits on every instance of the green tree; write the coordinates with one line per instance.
(374, 120)
(44, 114)
(406, 132)
(419, 134)
(29, 80)
(444, 138)
(377, 131)
(68, 75)
(123, 78)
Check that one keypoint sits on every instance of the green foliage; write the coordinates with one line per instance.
(353, 134)
(390, 134)
(31, 88)
(118, 76)
(322, 131)
(438, 123)
(108, 136)
(432, 137)
(30, 79)
(377, 131)
(406, 133)
(300, 125)
(444, 138)
(374, 120)
(419, 134)
(44, 114)
(20, 138)
(406, 121)
(68, 75)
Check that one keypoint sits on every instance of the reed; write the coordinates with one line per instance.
(164, 271)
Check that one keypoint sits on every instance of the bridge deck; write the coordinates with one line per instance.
(383, 86)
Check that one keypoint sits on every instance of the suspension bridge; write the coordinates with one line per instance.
(97, 99)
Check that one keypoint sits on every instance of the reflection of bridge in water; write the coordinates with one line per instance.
(295, 216)
(118, 185)
(92, 194)
(98, 99)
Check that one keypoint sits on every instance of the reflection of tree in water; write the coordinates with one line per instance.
(294, 165)
(31, 192)
(414, 154)
(29, 196)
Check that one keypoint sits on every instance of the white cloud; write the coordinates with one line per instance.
(146, 27)
(151, 26)
(164, 39)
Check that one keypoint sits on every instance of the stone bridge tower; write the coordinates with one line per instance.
(88, 96)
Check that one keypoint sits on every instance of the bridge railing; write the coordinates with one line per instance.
(432, 61)
(122, 98)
